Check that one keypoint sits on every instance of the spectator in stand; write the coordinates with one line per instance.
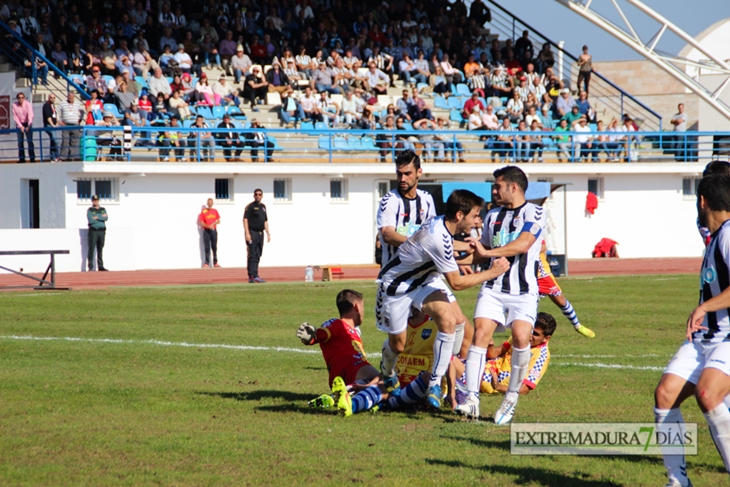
(183, 59)
(205, 92)
(59, 57)
(50, 119)
(515, 108)
(145, 105)
(573, 116)
(583, 144)
(178, 106)
(255, 87)
(429, 141)
(584, 106)
(679, 124)
(474, 120)
(71, 113)
(201, 143)
(536, 143)
(489, 119)
(227, 47)
(352, 108)
(470, 104)
(172, 138)
(304, 62)
(562, 141)
(480, 82)
(545, 58)
(605, 144)
(277, 79)
(123, 97)
(502, 85)
(240, 64)
(167, 61)
(259, 51)
(564, 103)
(143, 62)
(471, 66)
(294, 76)
(226, 91)
(96, 82)
(343, 76)
(532, 116)
(453, 76)
(451, 145)
(585, 68)
(504, 145)
(546, 118)
(290, 111)
(309, 105)
(382, 60)
(159, 88)
(229, 140)
(322, 79)
(209, 50)
(523, 44)
(258, 139)
(437, 82)
(376, 80)
(408, 70)
(403, 105)
(328, 109)
(419, 108)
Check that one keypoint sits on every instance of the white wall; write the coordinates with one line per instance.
(13, 194)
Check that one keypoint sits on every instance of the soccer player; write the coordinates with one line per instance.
(340, 340)
(411, 279)
(548, 286)
(511, 230)
(714, 167)
(701, 366)
(400, 215)
(497, 371)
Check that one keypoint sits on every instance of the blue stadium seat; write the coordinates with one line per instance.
(455, 116)
(340, 143)
(206, 112)
(273, 139)
(463, 90)
(236, 112)
(107, 79)
(169, 79)
(306, 126)
(187, 123)
(368, 144)
(324, 142)
(455, 102)
(504, 99)
(218, 112)
(408, 125)
(111, 107)
(141, 82)
(441, 102)
(594, 127)
(320, 126)
(421, 86)
(354, 143)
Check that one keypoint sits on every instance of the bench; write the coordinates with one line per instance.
(329, 271)
(51, 268)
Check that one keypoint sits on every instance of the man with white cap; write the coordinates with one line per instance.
(240, 64)
(564, 104)
(226, 91)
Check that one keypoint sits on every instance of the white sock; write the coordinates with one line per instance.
(390, 360)
(719, 421)
(520, 363)
(458, 338)
(675, 464)
(442, 346)
(475, 370)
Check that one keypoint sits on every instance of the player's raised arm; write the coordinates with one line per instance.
(457, 282)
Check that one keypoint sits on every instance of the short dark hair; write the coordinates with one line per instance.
(461, 200)
(512, 174)
(346, 300)
(716, 190)
(546, 323)
(717, 167)
(406, 157)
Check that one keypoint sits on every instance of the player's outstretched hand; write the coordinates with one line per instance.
(695, 320)
(478, 248)
(306, 333)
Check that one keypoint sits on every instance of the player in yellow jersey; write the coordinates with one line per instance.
(497, 369)
(548, 286)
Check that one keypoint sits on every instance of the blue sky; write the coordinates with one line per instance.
(559, 23)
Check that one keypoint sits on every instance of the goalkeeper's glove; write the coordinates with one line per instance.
(306, 333)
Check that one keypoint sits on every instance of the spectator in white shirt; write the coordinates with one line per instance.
(184, 62)
(377, 81)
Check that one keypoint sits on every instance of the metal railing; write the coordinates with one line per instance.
(181, 144)
(18, 51)
(617, 101)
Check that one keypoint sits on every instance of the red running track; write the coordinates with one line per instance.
(100, 280)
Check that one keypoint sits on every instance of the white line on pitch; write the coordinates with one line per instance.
(611, 366)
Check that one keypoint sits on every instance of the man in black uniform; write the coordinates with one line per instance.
(97, 218)
(255, 223)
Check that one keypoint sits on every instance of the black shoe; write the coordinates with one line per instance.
(103, 269)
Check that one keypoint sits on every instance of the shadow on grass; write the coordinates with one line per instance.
(261, 394)
(529, 475)
(500, 445)
(295, 408)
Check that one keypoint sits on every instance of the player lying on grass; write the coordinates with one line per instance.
(498, 367)
(701, 367)
(548, 286)
(412, 278)
(340, 341)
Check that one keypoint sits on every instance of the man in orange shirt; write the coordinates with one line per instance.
(208, 220)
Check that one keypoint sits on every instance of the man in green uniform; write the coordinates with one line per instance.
(97, 218)
(255, 223)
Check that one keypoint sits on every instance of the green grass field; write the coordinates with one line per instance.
(141, 401)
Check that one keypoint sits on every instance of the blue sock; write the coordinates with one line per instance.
(366, 399)
(411, 394)
(569, 313)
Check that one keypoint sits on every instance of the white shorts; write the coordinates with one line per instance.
(495, 306)
(693, 357)
(392, 312)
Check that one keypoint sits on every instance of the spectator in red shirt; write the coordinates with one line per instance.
(470, 104)
(258, 51)
(209, 220)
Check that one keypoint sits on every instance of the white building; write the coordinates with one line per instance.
(649, 208)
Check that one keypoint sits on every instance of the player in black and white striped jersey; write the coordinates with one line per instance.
(404, 209)
(511, 230)
(701, 367)
(412, 280)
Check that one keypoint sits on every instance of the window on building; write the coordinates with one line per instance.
(689, 186)
(282, 189)
(106, 188)
(338, 189)
(595, 186)
(224, 189)
(382, 189)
